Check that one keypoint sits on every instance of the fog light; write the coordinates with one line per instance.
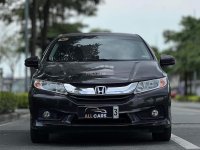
(155, 113)
(46, 114)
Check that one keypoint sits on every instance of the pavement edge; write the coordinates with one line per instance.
(13, 116)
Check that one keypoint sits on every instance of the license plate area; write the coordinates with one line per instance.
(108, 112)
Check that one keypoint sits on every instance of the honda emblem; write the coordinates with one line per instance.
(100, 90)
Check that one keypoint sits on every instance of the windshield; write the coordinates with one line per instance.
(99, 48)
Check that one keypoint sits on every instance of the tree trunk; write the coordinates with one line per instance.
(45, 24)
(186, 83)
(190, 83)
(33, 16)
(12, 69)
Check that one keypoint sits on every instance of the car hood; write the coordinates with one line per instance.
(104, 72)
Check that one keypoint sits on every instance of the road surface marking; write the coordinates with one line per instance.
(5, 124)
(185, 144)
(12, 121)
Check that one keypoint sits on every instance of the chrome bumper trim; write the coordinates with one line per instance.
(128, 89)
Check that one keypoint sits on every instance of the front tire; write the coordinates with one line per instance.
(39, 136)
(162, 136)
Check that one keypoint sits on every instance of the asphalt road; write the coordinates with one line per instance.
(185, 135)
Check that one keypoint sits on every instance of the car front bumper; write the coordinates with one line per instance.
(134, 111)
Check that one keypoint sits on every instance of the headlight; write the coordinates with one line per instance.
(50, 86)
(150, 85)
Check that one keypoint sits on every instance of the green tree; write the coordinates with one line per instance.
(156, 51)
(9, 48)
(45, 14)
(55, 13)
(57, 28)
(99, 30)
(185, 48)
(48, 17)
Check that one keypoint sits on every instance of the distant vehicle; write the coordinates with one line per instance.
(173, 93)
(106, 80)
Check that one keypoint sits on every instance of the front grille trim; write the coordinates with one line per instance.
(110, 90)
(100, 98)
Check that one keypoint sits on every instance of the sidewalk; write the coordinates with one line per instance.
(190, 105)
(13, 116)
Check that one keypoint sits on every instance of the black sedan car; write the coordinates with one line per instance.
(99, 81)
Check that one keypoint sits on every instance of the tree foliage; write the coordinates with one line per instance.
(48, 17)
(9, 50)
(156, 51)
(58, 28)
(99, 30)
(186, 48)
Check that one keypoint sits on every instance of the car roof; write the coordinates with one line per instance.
(100, 34)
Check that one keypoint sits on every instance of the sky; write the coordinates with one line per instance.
(148, 18)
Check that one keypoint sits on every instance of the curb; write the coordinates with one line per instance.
(12, 116)
(189, 105)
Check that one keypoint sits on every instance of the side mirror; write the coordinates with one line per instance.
(32, 62)
(167, 60)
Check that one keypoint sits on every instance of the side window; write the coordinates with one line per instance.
(53, 51)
